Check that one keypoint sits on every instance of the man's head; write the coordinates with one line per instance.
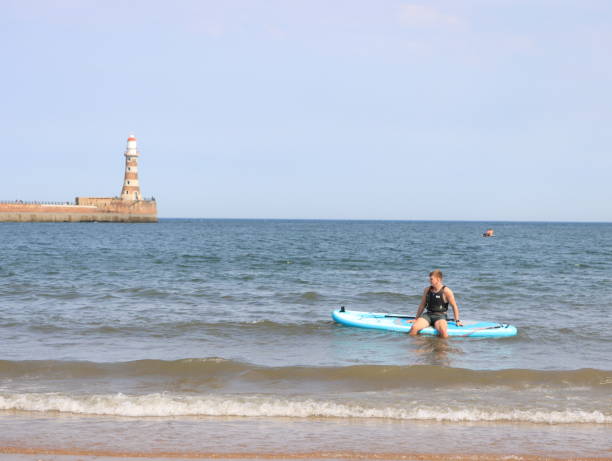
(435, 276)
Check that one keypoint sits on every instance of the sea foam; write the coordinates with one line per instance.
(168, 405)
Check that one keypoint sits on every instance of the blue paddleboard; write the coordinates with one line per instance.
(403, 323)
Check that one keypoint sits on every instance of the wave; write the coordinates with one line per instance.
(310, 296)
(178, 328)
(356, 377)
(167, 405)
(299, 297)
(40, 369)
(144, 292)
(201, 258)
(388, 296)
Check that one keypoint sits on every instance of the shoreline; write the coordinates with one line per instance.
(314, 455)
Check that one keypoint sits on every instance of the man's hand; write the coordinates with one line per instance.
(459, 323)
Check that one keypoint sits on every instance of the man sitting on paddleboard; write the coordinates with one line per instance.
(436, 299)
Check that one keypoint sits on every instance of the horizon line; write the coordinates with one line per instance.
(501, 221)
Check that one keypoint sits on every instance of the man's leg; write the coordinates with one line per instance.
(418, 325)
(442, 327)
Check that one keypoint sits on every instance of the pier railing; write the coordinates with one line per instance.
(34, 202)
(43, 202)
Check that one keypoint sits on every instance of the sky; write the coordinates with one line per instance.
(485, 110)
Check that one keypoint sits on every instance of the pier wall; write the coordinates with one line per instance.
(86, 209)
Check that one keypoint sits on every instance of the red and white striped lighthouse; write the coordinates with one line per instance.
(131, 186)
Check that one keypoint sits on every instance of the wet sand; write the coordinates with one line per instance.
(19, 454)
(69, 438)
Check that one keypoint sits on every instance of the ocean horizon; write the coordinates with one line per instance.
(482, 221)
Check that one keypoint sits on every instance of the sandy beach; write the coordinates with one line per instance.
(22, 454)
(82, 437)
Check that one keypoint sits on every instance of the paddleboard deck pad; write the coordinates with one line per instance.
(403, 323)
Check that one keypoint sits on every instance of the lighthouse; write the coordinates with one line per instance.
(131, 187)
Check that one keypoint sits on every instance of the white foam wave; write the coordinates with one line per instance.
(164, 405)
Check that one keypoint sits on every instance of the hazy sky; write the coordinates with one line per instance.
(475, 109)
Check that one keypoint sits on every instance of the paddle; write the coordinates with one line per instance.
(396, 316)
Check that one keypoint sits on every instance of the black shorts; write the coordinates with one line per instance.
(433, 317)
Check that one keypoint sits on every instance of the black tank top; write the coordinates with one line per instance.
(435, 300)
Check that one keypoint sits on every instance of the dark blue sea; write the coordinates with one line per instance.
(215, 336)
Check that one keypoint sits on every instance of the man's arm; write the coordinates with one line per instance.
(451, 299)
(423, 302)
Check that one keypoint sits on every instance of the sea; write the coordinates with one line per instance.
(213, 338)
